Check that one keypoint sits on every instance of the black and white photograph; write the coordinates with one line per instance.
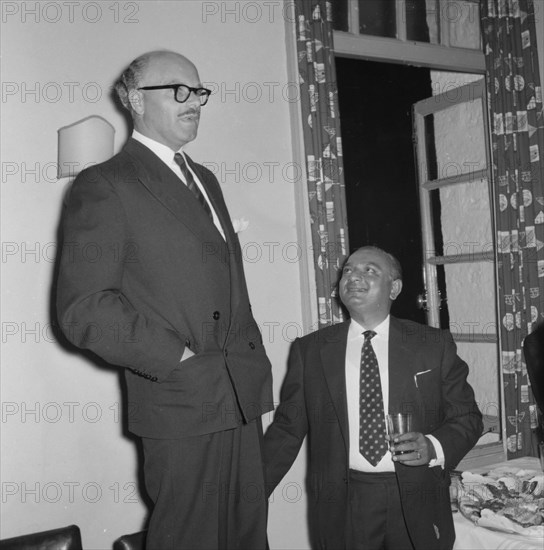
(272, 275)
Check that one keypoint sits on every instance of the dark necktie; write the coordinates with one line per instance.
(372, 442)
(191, 184)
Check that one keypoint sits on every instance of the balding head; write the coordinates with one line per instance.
(371, 280)
(156, 113)
(132, 77)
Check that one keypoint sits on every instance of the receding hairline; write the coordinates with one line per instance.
(148, 57)
(133, 76)
(395, 268)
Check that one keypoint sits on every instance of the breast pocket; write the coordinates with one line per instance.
(423, 378)
(428, 385)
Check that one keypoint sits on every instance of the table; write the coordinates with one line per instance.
(471, 537)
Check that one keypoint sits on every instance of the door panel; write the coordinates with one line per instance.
(453, 158)
(453, 173)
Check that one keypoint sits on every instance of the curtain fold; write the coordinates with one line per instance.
(516, 114)
(323, 150)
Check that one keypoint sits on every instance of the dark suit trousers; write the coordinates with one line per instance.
(208, 491)
(377, 521)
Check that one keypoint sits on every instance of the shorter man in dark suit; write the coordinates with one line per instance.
(340, 381)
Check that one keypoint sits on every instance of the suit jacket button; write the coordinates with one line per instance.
(252, 345)
(154, 379)
(216, 315)
(226, 352)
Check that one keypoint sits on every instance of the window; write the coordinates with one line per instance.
(447, 23)
(442, 34)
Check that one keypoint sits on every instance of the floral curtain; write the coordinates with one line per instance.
(323, 150)
(515, 103)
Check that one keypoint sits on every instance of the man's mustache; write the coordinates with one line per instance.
(191, 111)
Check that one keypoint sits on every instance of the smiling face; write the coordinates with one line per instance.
(157, 114)
(367, 286)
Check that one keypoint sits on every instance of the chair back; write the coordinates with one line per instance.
(135, 541)
(64, 538)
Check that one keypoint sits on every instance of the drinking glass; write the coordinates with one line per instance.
(398, 424)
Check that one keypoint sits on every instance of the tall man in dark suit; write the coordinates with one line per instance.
(151, 280)
(340, 381)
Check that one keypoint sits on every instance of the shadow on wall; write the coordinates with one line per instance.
(92, 359)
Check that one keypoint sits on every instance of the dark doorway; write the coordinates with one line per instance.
(375, 102)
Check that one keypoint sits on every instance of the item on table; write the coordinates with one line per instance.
(505, 499)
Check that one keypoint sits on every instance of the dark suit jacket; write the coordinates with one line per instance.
(533, 350)
(313, 402)
(143, 273)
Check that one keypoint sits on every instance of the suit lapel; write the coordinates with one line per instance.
(333, 359)
(163, 184)
(216, 199)
(232, 250)
(402, 367)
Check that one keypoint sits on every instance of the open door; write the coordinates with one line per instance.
(454, 174)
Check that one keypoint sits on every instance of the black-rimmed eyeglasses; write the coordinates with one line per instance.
(182, 92)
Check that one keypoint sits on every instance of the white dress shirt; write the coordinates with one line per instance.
(167, 156)
(380, 344)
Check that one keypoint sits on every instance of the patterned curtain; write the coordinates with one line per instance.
(323, 150)
(515, 102)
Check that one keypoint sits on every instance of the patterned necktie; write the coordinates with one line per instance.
(191, 184)
(372, 442)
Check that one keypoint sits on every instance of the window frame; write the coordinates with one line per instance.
(437, 56)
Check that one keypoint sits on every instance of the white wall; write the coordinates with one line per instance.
(64, 456)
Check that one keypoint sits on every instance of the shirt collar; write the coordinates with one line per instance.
(382, 330)
(162, 151)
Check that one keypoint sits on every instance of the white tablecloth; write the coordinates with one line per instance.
(471, 537)
(468, 536)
